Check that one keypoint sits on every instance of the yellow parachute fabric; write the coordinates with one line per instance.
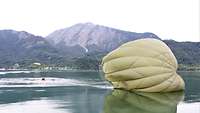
(146, 65)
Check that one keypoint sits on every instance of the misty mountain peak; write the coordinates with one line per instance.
(93, 37)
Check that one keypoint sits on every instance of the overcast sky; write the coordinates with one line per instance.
(169, 19)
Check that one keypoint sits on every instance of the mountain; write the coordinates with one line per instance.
(87, 43)
(80, 46)
(22, 47)
(87, 38)
(185, 52)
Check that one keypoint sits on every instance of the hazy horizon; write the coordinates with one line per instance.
(171, 19)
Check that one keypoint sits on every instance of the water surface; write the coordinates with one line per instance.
(87, 92)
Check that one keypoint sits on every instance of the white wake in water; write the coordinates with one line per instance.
(48, 82)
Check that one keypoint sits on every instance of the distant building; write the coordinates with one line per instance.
(2, 69)
(36, 63)
(15, 66)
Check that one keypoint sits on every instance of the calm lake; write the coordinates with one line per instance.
(88, 92)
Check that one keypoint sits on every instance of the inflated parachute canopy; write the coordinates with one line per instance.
(146, 65)
(121, 101)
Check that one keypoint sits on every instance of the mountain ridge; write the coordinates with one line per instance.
(19, 46)
(90, 36)
(80, 46)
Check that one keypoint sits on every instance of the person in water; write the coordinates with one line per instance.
(43, 79)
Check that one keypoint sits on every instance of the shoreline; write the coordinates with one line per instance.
(74, 70)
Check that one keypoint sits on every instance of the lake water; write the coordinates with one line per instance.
(88, 92)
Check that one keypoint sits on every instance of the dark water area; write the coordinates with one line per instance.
(192, 84)
(88, 92)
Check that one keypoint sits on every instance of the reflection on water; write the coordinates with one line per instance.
(35, 106)
(192, 83)
(120, 101)
(52, 100)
